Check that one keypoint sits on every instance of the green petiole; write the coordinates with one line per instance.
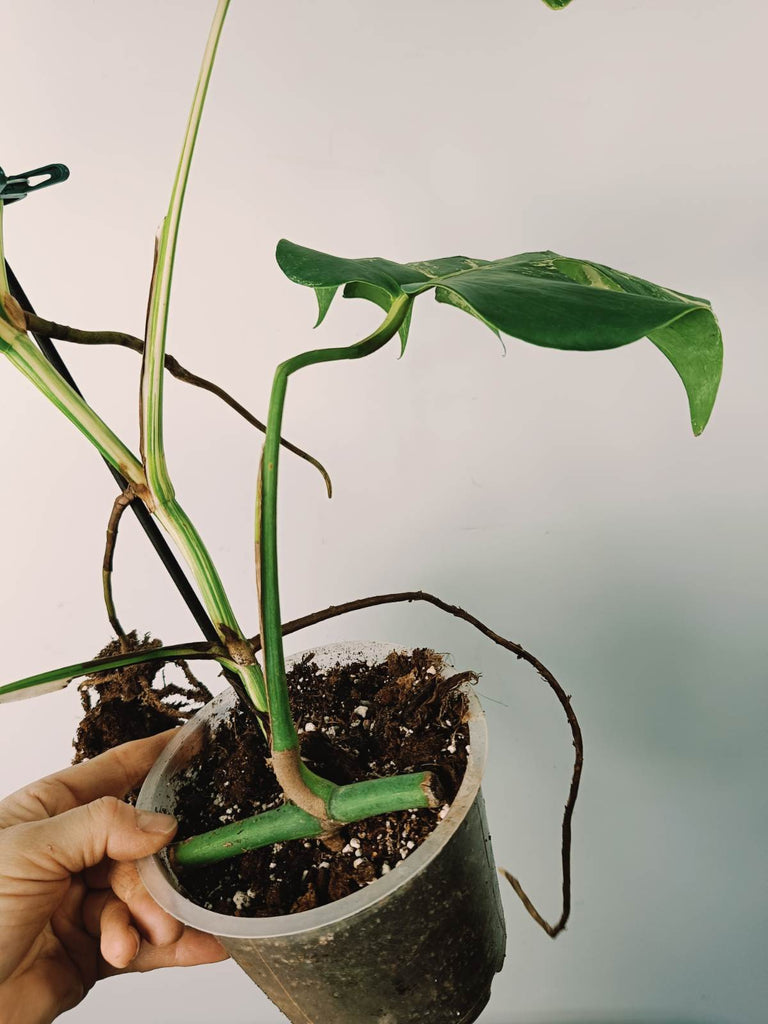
(284, 735)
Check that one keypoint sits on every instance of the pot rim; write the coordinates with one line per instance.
(159, 880)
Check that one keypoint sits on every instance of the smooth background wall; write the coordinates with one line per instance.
(561, 497)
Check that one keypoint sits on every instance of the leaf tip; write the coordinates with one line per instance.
(13, 691)
(324, 299)
(699, 422)
(404, 332)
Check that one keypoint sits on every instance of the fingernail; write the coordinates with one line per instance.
(151, 821)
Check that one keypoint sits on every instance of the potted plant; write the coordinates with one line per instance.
(324, 962)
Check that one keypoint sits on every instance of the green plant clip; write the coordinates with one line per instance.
(14, 187)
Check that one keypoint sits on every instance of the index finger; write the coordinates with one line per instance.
(113, 773)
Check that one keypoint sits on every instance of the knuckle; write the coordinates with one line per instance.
(102, 816)
(38, 796)
(106, 810)
(46, 798)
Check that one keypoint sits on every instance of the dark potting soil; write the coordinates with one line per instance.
(355, 722)
(134, 702)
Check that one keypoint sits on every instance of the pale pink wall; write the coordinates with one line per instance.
(591, 525)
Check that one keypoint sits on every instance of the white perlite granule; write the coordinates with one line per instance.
(240, 899)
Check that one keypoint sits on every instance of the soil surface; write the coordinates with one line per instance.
(355, 722)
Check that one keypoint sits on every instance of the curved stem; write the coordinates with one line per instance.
(284, 737)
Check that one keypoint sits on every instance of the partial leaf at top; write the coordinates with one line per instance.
(545, 299)
(557, 5)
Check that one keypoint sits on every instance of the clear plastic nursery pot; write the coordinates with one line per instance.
(419, 946)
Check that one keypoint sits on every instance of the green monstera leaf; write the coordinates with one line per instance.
(541, 298)
(557, 5)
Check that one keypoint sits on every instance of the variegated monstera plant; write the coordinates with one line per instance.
(540, 298)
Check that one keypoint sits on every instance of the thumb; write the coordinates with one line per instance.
(81, 838)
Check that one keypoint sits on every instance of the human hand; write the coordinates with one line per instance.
(72, 907)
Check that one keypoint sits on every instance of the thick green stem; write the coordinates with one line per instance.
(279, 826)
(349, 803)
(284, 735)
